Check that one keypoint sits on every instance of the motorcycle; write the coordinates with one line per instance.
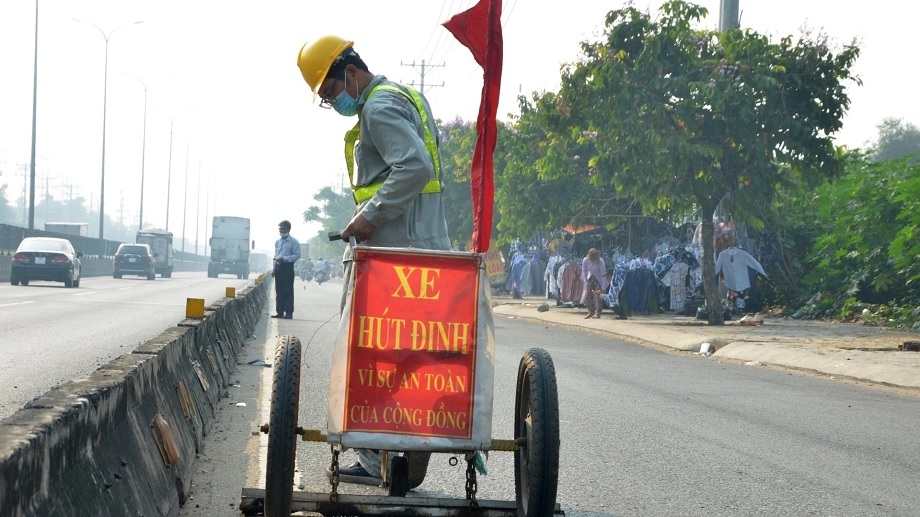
(322, 276)
(306, 275)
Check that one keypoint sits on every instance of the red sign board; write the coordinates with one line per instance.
(412, 344)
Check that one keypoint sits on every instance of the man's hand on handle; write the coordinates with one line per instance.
(359, 228)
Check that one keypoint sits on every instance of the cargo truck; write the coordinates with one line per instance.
(79, 229)
(260, 262)
(161, 244)
(229, 246)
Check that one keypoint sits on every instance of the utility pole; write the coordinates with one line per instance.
(422, 68)
(728, 15)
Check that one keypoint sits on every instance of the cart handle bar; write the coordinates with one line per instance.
(337, 236)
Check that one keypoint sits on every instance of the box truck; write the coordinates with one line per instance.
(79, 229)
(229, 246)
(260, 262)
(161, 243)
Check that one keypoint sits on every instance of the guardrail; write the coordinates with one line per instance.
(122, 440)
(11, 236)
(99, 266)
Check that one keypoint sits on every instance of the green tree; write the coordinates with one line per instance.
(7, 213)
(334, 211)
(685, 116)
(542, 186)
(457, 141)
(868, 246)
(896, 139)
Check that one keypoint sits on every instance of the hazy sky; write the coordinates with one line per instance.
(223, 75)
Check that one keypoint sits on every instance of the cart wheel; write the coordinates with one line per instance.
(282, 427)
(398, 476)
(536, 418)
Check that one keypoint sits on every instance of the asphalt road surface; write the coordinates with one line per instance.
(645, 432)
(50, 335)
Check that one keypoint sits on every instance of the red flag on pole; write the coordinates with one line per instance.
(479, 29)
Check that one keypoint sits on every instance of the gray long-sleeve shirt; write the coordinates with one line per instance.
(391, 149)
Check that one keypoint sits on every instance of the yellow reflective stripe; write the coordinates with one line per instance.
(362, 194)
(351, 138)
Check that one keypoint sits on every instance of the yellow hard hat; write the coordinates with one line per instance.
(317, 57)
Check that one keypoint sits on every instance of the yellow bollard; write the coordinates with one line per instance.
(231, 292)
(194, 308)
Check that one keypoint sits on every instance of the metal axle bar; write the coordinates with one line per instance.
(360, 505)
(315, 435)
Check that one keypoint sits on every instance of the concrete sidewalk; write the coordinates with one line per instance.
(842, 350)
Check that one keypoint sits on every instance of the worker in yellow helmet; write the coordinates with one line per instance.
(394, 167)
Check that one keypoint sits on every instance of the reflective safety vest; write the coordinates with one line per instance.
(366, 192)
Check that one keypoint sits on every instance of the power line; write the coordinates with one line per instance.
(422, 68)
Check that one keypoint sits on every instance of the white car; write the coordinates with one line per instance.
(46, 258)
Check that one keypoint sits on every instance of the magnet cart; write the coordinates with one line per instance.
(413, 373)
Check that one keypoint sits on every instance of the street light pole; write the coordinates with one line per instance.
(198, 208)
(31, 194)
(140, 221)
(169, 173)
(207, 201)
(185, 198)
(105, 92)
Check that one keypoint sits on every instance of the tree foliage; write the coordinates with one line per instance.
(684, 116)
(868, 245)
(458, 139)
(897, 139)
(333, 213)
(7, 213)
(542, 186)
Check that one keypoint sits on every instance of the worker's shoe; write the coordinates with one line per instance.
(355, 473)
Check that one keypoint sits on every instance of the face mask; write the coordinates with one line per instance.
(345, 104)
(283, 234)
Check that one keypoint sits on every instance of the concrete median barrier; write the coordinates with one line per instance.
(122, 441)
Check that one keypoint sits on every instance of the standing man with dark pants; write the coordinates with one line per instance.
(287, 251)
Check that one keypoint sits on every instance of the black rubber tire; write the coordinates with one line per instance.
(14, 280)
(23, 282)
(76, 283)
(536, 418)
(282, 428)
(398, 476)
(68, 282)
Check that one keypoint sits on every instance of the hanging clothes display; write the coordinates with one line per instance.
(676, 280)
(733, 264)
(549, 276)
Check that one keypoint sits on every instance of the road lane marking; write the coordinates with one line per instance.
(84, 293)
(16, 303)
